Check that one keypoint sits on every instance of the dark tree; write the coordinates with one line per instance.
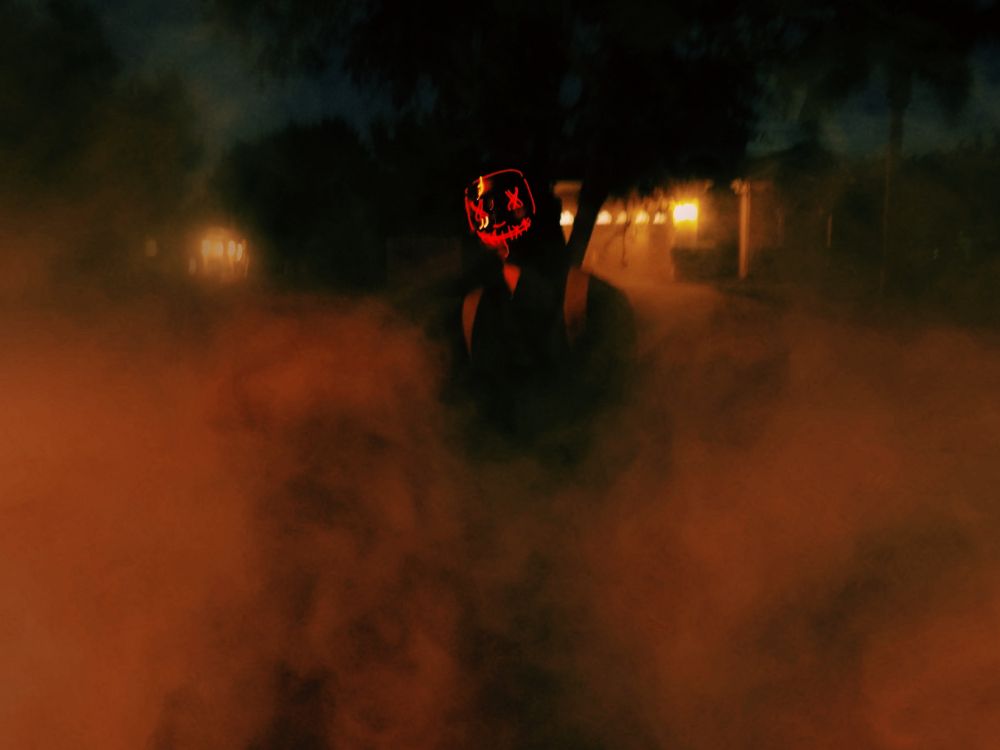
(839, 47)
(53, 58)
(312, 196)
(620, 97)
(91, 159)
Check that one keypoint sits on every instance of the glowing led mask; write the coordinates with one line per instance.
(500, 207)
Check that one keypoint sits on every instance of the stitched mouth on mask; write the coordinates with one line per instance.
(510, 233)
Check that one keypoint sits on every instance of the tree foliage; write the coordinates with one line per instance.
(99, 159)
(55, 56)
(312, 197)
(838, 48)
(620, 97)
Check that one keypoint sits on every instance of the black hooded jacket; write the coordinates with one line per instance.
(537, 379)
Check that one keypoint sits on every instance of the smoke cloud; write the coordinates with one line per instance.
(251, 522)
(815, 569)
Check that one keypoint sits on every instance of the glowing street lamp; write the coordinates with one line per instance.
(686, 213)
(685, 218)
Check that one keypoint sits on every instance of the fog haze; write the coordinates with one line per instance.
(245, 514)
(254, 526)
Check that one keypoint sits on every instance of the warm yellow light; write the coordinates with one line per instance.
(621, 218)
(659, 218)
(223, 252)
(686, 213)
(566, 219)
(642, 217)
(604, 217)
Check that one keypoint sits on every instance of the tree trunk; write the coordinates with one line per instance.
(593, 193)
(898, 96)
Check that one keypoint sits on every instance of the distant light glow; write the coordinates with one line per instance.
(223, 255)
(604, 217)
(566, 219)
(642, 217)
(659, 218)
(686, 213)
(621, 218)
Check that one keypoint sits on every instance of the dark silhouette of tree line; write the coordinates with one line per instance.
(91, 157)
(559, 88)
(620, 97)
(840, 47)
(313, 199)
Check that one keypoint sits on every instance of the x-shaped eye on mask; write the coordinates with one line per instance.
(513, 201)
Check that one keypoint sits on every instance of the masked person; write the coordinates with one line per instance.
(546, 345)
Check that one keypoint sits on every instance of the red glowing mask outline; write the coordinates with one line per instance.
(496, 227)
(475, 209)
